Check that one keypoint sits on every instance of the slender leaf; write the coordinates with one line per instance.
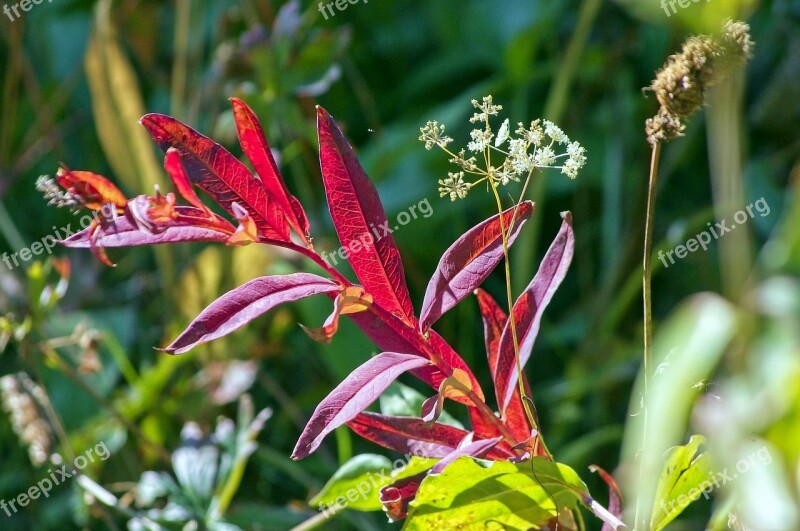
(467, 263)
(122, 233)
(255, 146)
(362, 387)
(218, 173)
(528, 310)
(246, 302)
(414, 436)
(357, 213)
(685, 477)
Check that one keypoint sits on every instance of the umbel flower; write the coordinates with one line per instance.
(506, 157)
(680, 85)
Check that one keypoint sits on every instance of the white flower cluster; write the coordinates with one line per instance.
(534, 147)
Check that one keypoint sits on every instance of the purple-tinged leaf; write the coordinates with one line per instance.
(360, 389)
(391, 333)
(467, 263)
(120, 232)
(246, 302)
(357, 211)
(468, 447)
(528, 310)
(410, 435)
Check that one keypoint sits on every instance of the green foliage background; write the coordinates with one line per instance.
(400, 63)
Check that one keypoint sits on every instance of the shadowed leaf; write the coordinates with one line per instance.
(528, 311)
(467, 263)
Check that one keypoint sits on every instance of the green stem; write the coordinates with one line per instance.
(647, 362)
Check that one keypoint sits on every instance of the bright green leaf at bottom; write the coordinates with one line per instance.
(504, 495)
(357, 483)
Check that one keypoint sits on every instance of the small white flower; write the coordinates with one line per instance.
(433, 134)
(454, 186)
(554, 132)
(481, 138)
(577, 153)
(502, 134)
(570, 168)
(544, 156)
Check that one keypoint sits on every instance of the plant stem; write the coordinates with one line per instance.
(647, 361)
(505, 231)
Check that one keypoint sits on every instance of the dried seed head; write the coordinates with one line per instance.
(22, 399)
(680, 85)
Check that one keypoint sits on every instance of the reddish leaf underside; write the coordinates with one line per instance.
(255, 147)
(360, 389)
(218, 173)
(467, 263)
(528, 310)
(415, 436)
(243, 304)
(357, 213)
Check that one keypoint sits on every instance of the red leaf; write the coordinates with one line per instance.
(396, 497)
(255, 146)
(356, 211)
(219, 174)
(467, 263)
(246, 302)
(93, 189)
(494, 320)
(410, 435)
(176, 171)
(360, 389)
(614, 497)
(528, 311)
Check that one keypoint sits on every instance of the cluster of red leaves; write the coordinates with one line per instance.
(265, 212)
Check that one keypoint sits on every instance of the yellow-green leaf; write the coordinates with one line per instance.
(507, 495)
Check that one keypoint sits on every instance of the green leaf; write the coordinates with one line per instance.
(685, 476)
(507, 495)
(357, 483)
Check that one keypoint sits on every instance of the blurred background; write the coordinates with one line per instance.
(77, 338)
